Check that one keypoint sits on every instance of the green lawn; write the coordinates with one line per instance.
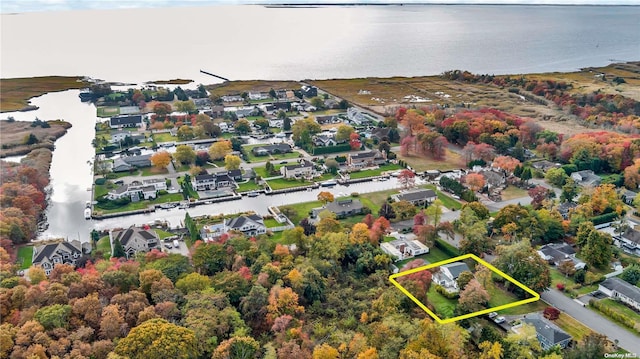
(512, 192)
(375, 172)
(100, 190)
(302, 210)
(277, 237)
(446, 200)
(108, 111)
(25, 256)
(569, 283)
(104, 245)
(163, 234)
(622, 309)
(281, 183)
(367, 202)
(444, 307)
(270, 223)
(500, 297)
(525, 308)
(576, 329)
(435, 255)
(248, 186)
(165, 137)
(152, 171)
(276, 157)
(172, 197)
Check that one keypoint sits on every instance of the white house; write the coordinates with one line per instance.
(135, 239)
(619, 289)
(449, 273)
(557, 253)
(48, 255)
(629, 241)
(118, 136)
(586, 178)
(404, 248)
(250, 225)
(212, 232)
(366, 159)
(300, 170)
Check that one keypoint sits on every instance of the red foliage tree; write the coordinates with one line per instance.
(551, 313)
(354, 141)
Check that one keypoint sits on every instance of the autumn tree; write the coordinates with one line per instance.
(219, 150)
(632, 175)
(506, 163)
(359, 234)
(354, 141)
(231, 162)
(193, 282)
(597, 250)
(473, 297)
(240, 347)
(378, 229)
(556, 176)
(475, 181)
(343, 133)
(242, 126)
(185, 132)
(538, 195)
(303, 131)
(325, 197)
(158, 339)
(387, 211)
(491, 350)
(162, 109)
(473, 231)
(407, 179)
(413, 122)
(521, 261)
(161, 159)
(184, 154)
(325, 351)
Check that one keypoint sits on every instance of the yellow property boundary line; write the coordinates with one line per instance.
(392, 279)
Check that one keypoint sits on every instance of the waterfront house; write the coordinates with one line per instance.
(301, 170)
(619, 289)
(125, 121)
(547, 333)
(418, 197)
(212, 232)
(403, 248)
(48, 255)
(257, 96)
(448, 275)
(250, 225)
(309, 91)
(232, 98)
(135, 239)
(586, 178)
(366, 159)
(557, 253)
(341, 208)
(129, 163)
(211, 181)
(118, 136)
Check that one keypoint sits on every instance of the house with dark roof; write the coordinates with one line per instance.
(211, 181)
(303, 169)
(324, 140)
(359, 118)
(341, 208)
(621, 290)
(118, 136)
(629, 241)
(309, 91)
(544, 165)
(418, 197)
(328, 119)
(448, 275)
(250, 225)
(557, 253)
(366, 159)
(547, 333)
(138, 190)
(125, 121)
(586, 178)
(565, 209)
(276, 148)
(128, 163)
(48, 255)
(628, 197)
(135, 239)
(380, 134)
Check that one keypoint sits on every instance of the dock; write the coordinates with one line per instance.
(214, 75)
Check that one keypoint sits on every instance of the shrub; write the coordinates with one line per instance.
(560, 286)
(440, 289)
(551, 313)
(613, 314)
(162, 192)
(355, 194)
(101, 181)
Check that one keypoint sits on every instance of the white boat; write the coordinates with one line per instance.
(87, 213)
(253, 194)
(329, 183)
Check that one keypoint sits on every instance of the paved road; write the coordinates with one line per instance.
(593, 320)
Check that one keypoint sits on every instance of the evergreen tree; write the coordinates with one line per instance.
(118, 250)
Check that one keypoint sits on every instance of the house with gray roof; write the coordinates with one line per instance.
(547, 333)
(418, 197)
(621, 290)
(544, 165)
(629, 241)
(48, 255)
(342, 208)
(276, 148)
(565, 209)
(448, 275)
(125, 121)
(586, 178)
(251, 225)
(366, 159)
(135, 239)
(127, 163)
(303, 169)
(557, 253)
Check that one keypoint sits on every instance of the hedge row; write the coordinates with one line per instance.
(616, 316)
(330, 149)
(447, 248)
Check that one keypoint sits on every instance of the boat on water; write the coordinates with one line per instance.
(87, 213)
(329, 183)
(253, 194)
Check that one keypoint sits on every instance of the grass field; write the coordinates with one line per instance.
(445, 199)
(152, 171)
(444, 307)
(576, 329)
(276, 157)
(248, 186)
(281, 183)
(172, 197)
(452, 161)
(165, 137)
(621, 309)
(108, 111)
(375, 172)
(270, 223)
(15, 93)
(25, 256)
(104, 245)
(512, 192)
(163, 234)
(302, 210)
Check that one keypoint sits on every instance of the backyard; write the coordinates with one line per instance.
(132, 206)
(375, 172)
(25, 256)
(282, 156)
(445, 199)
(248, 186)
(420, 163)
(164, 137)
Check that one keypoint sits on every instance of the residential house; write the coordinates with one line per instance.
(628, 197)
(403, 248)
(157, 183)
(235, 175)
(246, 112)
(125, 121)
(493, 178)
(256, 96)
(328, 119)
(366, 159)
(629, 241)
(586, 178)
(137, 190)
(250, 225)
(127, 163)
(300, 170)
(277, 148)
(547, 333)
(557, 253)
(211, 181)
(135, 239)
(309, 91)
(276, 123)
(331, 103)
(232, 98)
(267, 108)
(418, 197)
(212, 232)
(448, 275)
(359, 118)
(380, 134)
(342, 208)
(545, 165)
(565, 209)
(324, 140)
(118, 136)
(619, 289)
(203, 103)
(48, 255)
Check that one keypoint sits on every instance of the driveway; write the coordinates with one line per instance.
(593, 320)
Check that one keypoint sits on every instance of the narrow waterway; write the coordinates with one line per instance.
(71, 176)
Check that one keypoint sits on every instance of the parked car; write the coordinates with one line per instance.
(168, 246)
(499, 320)
(493, 315)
